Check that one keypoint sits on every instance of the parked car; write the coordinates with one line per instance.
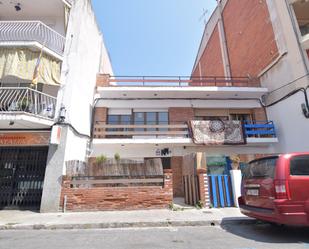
(276, 189)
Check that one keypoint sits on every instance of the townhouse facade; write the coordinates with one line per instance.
(181, 131)
(58, 43)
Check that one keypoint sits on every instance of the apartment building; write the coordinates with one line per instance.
(267, 40)
(50, 54)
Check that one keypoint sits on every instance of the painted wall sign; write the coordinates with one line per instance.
(24, 138)
(166, 152)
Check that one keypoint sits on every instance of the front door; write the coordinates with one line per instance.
(22, 171)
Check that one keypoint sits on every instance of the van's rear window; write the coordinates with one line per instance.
(299, 165)
(260, 168)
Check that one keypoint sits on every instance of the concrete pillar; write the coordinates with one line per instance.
(236, 185)
(53, 175)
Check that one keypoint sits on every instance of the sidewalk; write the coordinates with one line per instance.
(120, 219)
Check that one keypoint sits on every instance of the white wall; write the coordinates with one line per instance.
(148, 150)
(292, 126)
(84, 57)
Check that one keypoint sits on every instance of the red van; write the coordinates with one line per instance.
(276, 189)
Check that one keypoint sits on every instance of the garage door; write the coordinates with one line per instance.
(22, 171)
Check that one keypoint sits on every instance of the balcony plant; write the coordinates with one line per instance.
(24, 104)
(100, 159)
(117, 157)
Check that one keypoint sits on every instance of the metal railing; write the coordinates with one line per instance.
(260, 129)
(23, 99)
(103, 130)
(182, 81)
(252, 129)
(32, 31)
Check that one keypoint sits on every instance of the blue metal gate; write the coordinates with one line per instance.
(220, 191)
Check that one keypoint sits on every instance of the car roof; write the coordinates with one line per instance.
(289, 155)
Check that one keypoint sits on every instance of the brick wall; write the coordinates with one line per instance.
(176, 165)
(250, 37)
(180, 114)
(118, 198)
(211, 63)
(103, 80)
(250, 41)
(259, 114)
(100, 114)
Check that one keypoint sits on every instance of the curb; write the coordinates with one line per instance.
(235, 221)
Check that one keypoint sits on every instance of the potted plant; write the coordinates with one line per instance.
(235, 162)
(100, 159)
(117, 157)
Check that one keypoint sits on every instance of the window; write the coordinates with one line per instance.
(112, 120)
(151, 119)
(163, 120)
(261, 168)
(241, 117)
(299, 166)
(301, 10)
(209, 118)
(139, 118)
(118, 119)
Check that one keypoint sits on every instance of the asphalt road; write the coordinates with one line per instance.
(230, 236)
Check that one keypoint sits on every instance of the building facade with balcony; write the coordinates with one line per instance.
(266, 40)
(184, 124)
(40, 125)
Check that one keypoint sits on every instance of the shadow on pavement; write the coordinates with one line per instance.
(265, 232)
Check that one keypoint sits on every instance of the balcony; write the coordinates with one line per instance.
(26, 106)
(109, 131)
(175, 140)
(31, 33)
(156, 87)
(177, 81)
(252, 130)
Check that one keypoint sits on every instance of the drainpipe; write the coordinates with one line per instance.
(224, 48)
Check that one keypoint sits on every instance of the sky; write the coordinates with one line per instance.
(152, 37)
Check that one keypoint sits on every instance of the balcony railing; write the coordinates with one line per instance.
(256, 129)
(260, 129)
(103, 130)
(181, 81)
(32, 31)
(26, 100)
